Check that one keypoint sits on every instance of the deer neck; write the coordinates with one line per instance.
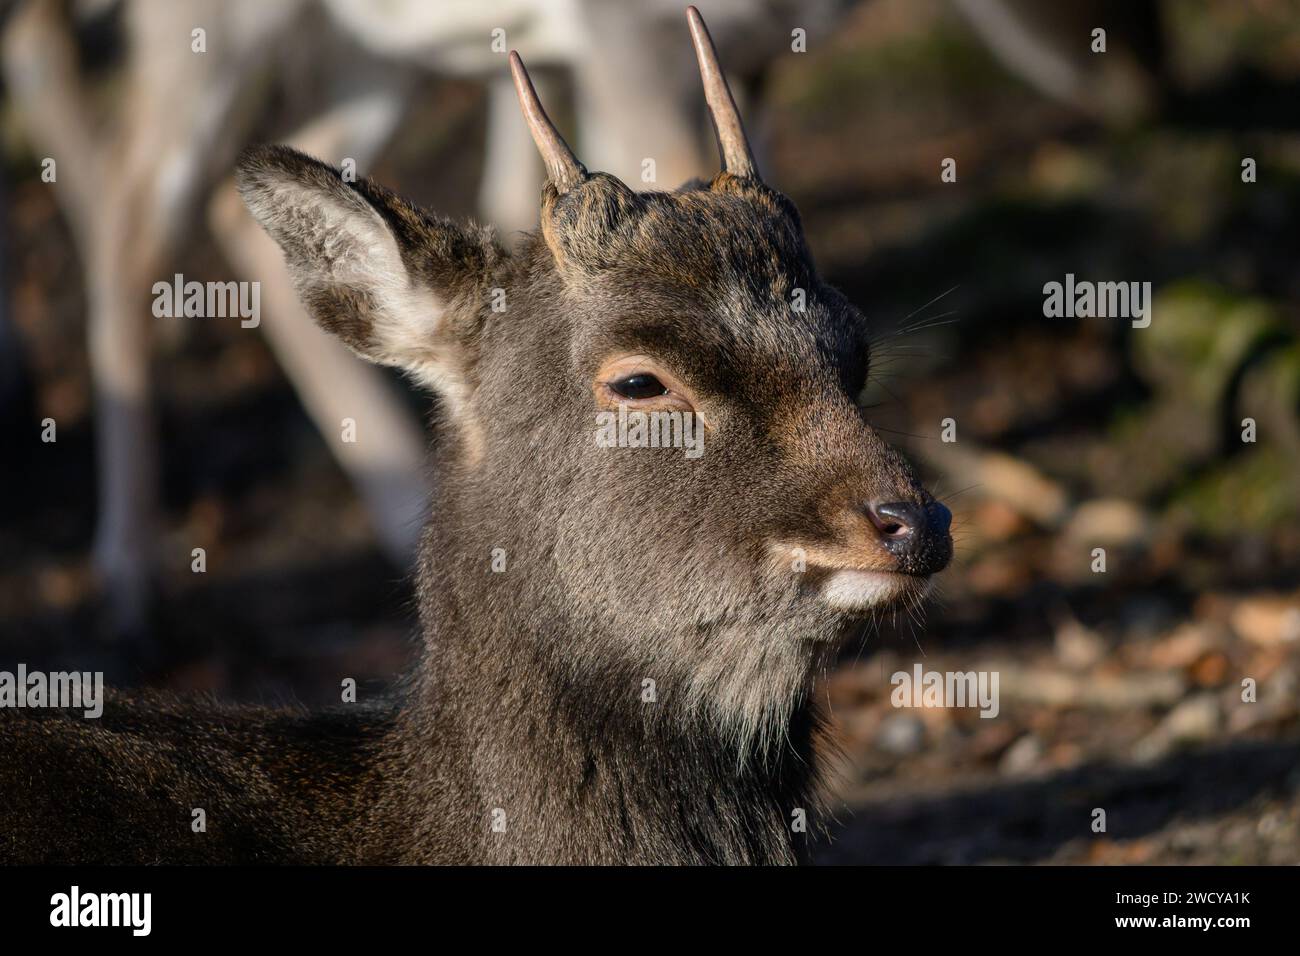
(575, 764)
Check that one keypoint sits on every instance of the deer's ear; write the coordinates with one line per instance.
(397, 285)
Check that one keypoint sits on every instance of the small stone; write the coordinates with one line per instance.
(1078, 647)
(1187, 644)
(1271, 825)
(1109, 521)
(998, 521)
(1197, 718)
(1022, 757)
(1194, 720)
(1268, 620)
(1019, 484)
(901, 734)
(1211, 670)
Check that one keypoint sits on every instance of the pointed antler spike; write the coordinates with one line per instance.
(737, 158)
(562, 166)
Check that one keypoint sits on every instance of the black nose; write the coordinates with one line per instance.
(915, 534)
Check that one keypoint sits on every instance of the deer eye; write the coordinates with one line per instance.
(641, 385)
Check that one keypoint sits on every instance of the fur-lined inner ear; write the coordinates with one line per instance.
(398, 286)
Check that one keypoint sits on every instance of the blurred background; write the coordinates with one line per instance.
(1120, 690)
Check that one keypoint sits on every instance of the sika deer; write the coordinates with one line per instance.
(634, 685)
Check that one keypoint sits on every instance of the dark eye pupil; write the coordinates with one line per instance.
(639, 386)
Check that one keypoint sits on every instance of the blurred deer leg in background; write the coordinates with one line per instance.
(41, 70)
(128, 184)
(1049, 46)
(119, 352)
(636, 95)
(386, 462)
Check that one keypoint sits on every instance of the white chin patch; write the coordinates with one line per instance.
(848, 590)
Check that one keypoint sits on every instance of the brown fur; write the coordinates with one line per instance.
(623, 566)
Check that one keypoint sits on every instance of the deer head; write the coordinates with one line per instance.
(728, 576)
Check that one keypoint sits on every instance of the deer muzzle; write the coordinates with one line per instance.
(915, 534)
